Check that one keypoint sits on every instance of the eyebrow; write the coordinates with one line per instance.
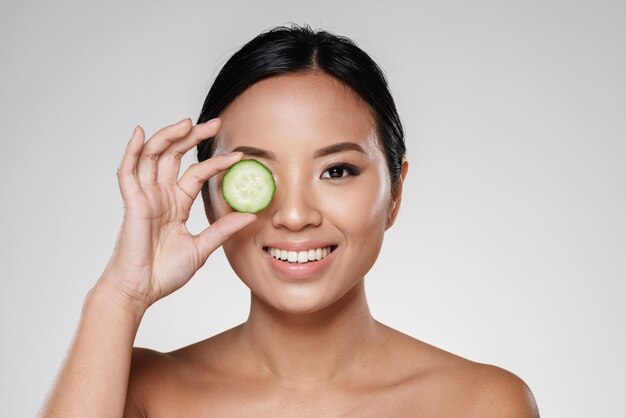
(322, 152)
(341, 147)
(255, 152)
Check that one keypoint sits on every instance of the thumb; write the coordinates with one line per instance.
(219, 231)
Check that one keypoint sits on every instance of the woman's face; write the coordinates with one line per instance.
(332, 189)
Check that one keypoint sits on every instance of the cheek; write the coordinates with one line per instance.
(359, 211)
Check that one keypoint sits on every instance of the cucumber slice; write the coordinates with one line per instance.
(248, 186)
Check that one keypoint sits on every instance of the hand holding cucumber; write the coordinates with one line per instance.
(155, 254)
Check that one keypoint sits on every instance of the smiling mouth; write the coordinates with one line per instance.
(300, 257)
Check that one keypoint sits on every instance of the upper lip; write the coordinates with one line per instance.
(299, 246)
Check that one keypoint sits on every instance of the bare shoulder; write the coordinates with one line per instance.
(449, 385)
(165, 383)
(495, 392)
(147, 370)
(158, 381)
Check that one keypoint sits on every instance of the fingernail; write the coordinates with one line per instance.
(179, 122)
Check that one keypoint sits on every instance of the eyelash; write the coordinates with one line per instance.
(352, 170)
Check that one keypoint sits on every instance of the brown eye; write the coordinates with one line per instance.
(339, 171)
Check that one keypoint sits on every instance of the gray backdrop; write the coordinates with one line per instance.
(510, 245)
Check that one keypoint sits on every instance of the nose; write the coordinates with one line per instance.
(295, 207)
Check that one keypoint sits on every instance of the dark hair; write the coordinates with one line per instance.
(294, 49)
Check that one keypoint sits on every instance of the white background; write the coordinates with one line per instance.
(510, 246)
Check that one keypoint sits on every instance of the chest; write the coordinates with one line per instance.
(234, 399)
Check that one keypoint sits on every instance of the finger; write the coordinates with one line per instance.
(152, 149)
(127, 170)
(168, 164)
(197, 174)
(217, 233)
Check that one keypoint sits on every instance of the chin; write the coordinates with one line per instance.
(299, 307)
(306, 300)
(299, 301)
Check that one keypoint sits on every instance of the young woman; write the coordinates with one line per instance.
(316, 110)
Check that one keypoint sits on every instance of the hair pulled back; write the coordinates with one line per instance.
(294, 49)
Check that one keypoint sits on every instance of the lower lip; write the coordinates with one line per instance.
(299, 271)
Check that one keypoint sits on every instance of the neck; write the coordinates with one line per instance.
(315, 347)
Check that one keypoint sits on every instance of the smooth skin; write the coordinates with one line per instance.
(309, 348)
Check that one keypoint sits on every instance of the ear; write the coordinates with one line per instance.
(396, 194)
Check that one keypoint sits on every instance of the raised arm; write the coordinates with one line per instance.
(154, 256)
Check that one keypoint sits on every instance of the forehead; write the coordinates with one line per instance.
(304, 110)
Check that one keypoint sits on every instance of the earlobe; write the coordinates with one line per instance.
(393, 213)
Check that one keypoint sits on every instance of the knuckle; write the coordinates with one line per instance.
(195, 171)
(151, 157)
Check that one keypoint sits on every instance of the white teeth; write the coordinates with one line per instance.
(304, 256)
